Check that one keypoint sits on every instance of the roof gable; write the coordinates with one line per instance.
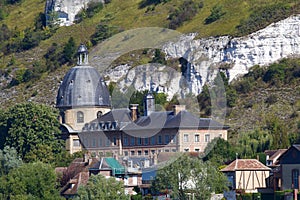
(291, 156)
(245, 165)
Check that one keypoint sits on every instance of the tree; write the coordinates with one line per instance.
(216, 14)
(69, 50)
(27, 126)
(197, 177)
(9, 159)
(98, 187)
(30, 181)
(219, 151)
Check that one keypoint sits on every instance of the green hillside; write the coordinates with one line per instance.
(34, 58)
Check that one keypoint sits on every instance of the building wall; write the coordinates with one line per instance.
(251, 180)
(71, 144)
(147, 143)
(286, 170)
(90, 114)
(197, 140)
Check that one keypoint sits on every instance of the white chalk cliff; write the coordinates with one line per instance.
(205, 56)
(67, 9)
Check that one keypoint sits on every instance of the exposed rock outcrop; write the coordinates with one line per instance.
(205, 57)
(66, 9)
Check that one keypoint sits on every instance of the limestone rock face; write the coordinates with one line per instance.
(206, 56)
(67, 9)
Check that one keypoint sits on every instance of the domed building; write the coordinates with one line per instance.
(89, 123)
(82, 97)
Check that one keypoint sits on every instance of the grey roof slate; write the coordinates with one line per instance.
(83, 86)
(297, 146)
(183, 120)
(120, 115)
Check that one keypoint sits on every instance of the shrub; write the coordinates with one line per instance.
(145, 3)
(275, 74)
(92, 8)
(184, 13)
(271, 99)
(216, 14)
(104, 30)
(264, 16)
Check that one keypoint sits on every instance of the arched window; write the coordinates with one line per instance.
(80, 117)
(99, 114)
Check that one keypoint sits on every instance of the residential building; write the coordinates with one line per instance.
(247, 175)
(289, 168)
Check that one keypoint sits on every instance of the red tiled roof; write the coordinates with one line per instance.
(72, 186)
(76, 174)
(245, 164)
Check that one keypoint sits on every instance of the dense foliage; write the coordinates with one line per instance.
(30, 181)
(196, 177)
(31, 128)
(9, 159)
(215, 14)
(183, 13)
(93, 7)
(265, 15)
(145, 3)
(99, 187)
(219, 151)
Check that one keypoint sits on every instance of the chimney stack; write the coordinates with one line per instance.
(134, 111)
(178, 108)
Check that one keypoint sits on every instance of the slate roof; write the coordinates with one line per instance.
(82, 86)
(113, 120)
(287, 152)
(156, 120)
(245, 165)
(297, 146)
(183, 120)
(274, 157)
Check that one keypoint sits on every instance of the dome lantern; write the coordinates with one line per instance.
(83, 58)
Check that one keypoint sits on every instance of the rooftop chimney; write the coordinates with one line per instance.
(178, 108)
(134, 111)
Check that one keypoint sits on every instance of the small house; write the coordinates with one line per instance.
(247, 175)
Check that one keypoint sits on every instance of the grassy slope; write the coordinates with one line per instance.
(127, 15)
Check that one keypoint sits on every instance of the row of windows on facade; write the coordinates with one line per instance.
(131, 141)
(144, 152)
(127, 141)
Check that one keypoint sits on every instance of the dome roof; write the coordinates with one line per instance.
(82, 49)
(83, 86)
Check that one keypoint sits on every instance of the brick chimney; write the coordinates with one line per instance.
(134, 111)
(178, 108)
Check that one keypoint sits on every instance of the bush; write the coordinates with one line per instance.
(275, 74)
(89, 12)
(184, 13)
(264, 16)
(145, 3)
(103, 31)
(216, 14)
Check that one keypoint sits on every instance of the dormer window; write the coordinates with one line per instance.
(99, 114)
(80, 117)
